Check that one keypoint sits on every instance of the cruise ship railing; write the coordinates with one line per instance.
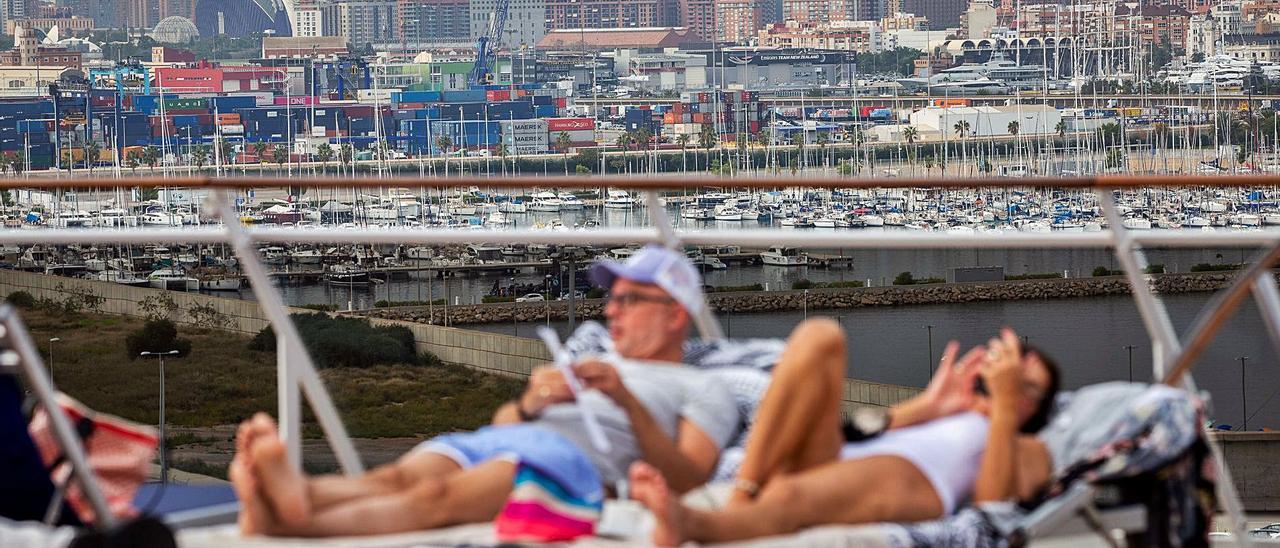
(1172, 356)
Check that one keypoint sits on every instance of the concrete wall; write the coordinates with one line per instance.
(1251, 457)
(495, 353)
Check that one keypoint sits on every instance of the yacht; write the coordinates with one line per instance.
(174, 279)
(998, 75)
(619, 199)
(569, 202)
(306, 256)
(514, 205)
(419, 253)
(545, 202)
(784, 256)
(122, 277)
(728, 213)
(72, 218)
(498, 219)
(220, 282)
(346, 274)
(696, 213)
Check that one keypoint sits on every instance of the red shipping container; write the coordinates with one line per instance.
(570, 124)
(561, 102)
(755, 127)
(204, 119)
(497, 95)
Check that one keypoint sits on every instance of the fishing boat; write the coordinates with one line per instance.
(346, 274)
(784, 256)
(173, 279)
(619, 199)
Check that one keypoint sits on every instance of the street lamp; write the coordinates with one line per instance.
(1244, 405)
(164, 462)
(1130, 347)
(51, 341)
(930, 328)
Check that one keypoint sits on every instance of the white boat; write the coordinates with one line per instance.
(115, 218)
(569, 202)
(1137, 223)
(619, 199)
(1245, 219)
(545, 202)
(696, 213)
(1271, 218)
(72, 219)
(122, 277)
(872, 220)
(728, 213)
(220, 282)
(174, 279)
(514, 205)
(1196, 221)
(499, 219)
(419, 253)
(784, 256)
(306, 256)
(159, 218)
(704, 262)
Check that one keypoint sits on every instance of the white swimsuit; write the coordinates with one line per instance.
(948, 451)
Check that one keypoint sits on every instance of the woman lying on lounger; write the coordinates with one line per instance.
(954, 442)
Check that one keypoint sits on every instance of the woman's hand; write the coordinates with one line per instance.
(951, 390)
(1002, 369)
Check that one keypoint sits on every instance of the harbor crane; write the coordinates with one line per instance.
(487, 44)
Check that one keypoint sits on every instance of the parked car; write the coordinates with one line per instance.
(576, 295)
(531, 298)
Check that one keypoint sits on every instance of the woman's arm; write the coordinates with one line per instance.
(998, 474)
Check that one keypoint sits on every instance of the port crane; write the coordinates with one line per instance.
(487, 44)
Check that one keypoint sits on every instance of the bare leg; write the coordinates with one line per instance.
(254, 517)
(851, 492)
(328, 490)
(798, 423)
(471, 496)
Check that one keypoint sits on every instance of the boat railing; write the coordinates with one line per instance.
(1172, 356)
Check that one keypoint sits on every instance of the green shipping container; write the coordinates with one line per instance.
(185, 104)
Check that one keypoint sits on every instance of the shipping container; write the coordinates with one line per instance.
(380, 96)
(232, 129)
(230, 103)
(570, 124)
(463, 96)
(415, 97)
(187, 103)
(296, 100)
(497, 95)
(952, 102)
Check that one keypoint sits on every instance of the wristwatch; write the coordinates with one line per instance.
(865, 423)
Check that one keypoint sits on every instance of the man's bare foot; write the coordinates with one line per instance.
(650, 489)
(254, 518)
(283, 487)
(255, 427)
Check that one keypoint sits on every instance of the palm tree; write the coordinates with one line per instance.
(91, 152)
(683, 141)
(260, 151)
(151, 157)
(1013, 129)
(910, 133)
(962, 130)
(324, 153)
(822, 141)
(225, 150)
(346, 153)
(1061, 128)
(562, 144)
(200, 156)
(707, 140)
(502, 157)
(624, 144)
(18, 162)
(642, 137)
(445, 144)
(133, 159)
(279, 155)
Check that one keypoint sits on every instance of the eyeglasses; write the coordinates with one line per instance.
(624, 300)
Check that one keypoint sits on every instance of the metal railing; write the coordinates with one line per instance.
(1172, 357)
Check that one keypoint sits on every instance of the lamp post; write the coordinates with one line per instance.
(1244, 405)
(1130, 347)
(930, 329)
(51, 341)
(164, 462)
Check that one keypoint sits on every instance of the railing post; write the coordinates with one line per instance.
(288, 402)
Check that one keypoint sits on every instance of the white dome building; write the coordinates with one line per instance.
(175, 30)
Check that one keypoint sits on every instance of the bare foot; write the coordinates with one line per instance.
(254, 518)
(650, 489)
(250, 430)
(283, 487)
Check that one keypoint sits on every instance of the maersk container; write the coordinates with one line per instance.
(415, 97)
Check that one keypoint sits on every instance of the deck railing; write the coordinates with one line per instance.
(1172, 356)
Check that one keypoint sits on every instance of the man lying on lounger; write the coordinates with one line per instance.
(677, 419)
(952, 443)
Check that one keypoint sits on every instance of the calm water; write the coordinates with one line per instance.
(1087, 336)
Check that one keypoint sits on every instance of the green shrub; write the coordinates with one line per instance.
(383, 303)
(850, 283)
(595, 293)
(156, 336)
(21, 299)
(497, 299)
(904, 278)
(320, 307)
(1040, 276)
(1206, 267)
(1154, 269)
(802, 283)
(346, 342)
(732, 288)
(1101, 271)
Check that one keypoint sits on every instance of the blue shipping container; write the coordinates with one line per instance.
(229, 103)
(463, 96)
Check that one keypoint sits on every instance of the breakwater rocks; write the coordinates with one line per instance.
(819, 299)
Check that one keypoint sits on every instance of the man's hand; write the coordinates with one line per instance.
(1002, 371)
(546, 387)
(952, 388)
(603, 377)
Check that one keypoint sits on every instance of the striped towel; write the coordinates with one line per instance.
(541, 510)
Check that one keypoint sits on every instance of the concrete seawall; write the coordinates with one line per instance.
(491, 352)
(1251, 457)
(819, 299)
